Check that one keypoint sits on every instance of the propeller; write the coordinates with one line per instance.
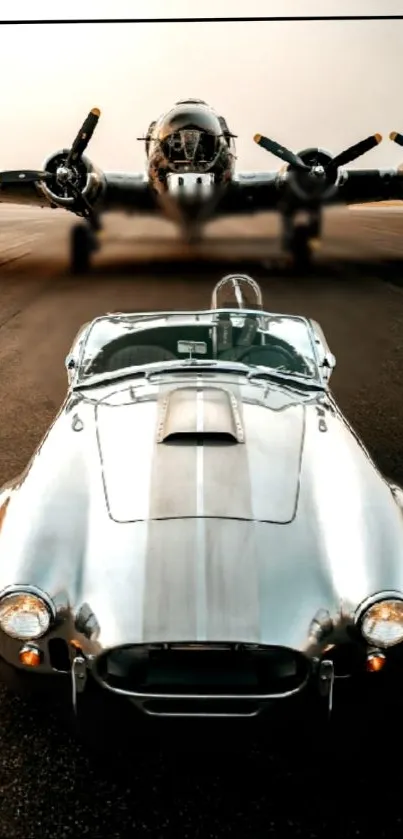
(280, 151)
(29, 176)
(396, 137)
(67, 173)
(355, 151)
(83, 137)
(326, 172)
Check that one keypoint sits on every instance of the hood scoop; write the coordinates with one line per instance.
(200, 415)
(153, 469)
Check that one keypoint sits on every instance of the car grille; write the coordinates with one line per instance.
(201, 670)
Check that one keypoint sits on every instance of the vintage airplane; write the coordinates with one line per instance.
(190, 178)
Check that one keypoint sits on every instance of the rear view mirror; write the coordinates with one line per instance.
(192, 347)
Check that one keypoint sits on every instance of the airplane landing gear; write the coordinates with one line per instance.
(298, 240)
(83, 242)
(191, 234)
(300, 248)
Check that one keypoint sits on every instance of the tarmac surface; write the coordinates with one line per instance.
(50, 786)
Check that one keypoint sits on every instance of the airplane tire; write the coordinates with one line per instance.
(193, 239)
(81, 248)
(192, 235)
(301, 248)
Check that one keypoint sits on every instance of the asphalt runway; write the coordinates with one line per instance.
(49, 785)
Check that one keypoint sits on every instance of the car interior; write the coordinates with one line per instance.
(223, 341)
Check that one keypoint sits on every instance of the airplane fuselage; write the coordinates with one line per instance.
(190, 159)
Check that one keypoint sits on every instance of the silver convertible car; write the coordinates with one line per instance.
(201, 533)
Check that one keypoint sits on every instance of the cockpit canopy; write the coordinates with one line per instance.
(190, 137)
(191, 102)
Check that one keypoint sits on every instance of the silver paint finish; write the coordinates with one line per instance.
(198, 539)
(190, 411)
(195, 577)
(128, 436)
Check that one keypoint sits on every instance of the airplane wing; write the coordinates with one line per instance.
(128, 192)
(367, 185)
(265, 191)
(70, 181)
(250, 192)
(310, 178)
(113, 190)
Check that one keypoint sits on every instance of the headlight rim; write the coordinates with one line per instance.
(20, 588)
(367, 604)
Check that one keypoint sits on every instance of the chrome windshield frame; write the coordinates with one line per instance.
(210, 316)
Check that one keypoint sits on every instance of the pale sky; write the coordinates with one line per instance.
(303, 84)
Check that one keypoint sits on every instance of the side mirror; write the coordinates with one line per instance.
(70, 365)
(328, 365)
(326, 359)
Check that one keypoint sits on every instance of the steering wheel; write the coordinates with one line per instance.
(264, 355)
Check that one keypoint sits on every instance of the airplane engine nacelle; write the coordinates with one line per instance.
(320, 183)
(83, 175)
(315, 157)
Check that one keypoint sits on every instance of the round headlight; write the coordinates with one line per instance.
(24, 615)
(382, 623)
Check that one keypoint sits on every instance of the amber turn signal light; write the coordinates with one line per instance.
(30, 656)
(375, 662)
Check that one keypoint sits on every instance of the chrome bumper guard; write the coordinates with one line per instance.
(78, 678)
(324, 674)
(326, 683)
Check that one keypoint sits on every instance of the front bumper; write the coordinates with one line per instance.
(200, 680)
(299, 723)
(363, 702)
(310, 697)
(200, 717)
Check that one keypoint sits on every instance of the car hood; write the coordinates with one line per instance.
(300, 522)
(199, 451)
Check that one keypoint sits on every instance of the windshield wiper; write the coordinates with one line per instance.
(288, 379)
(100, 379)
(199, 366)
(156, 369)
(285, 378)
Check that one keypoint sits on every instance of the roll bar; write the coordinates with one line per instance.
(236, 281)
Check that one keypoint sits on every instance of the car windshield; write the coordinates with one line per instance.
(117, 343)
